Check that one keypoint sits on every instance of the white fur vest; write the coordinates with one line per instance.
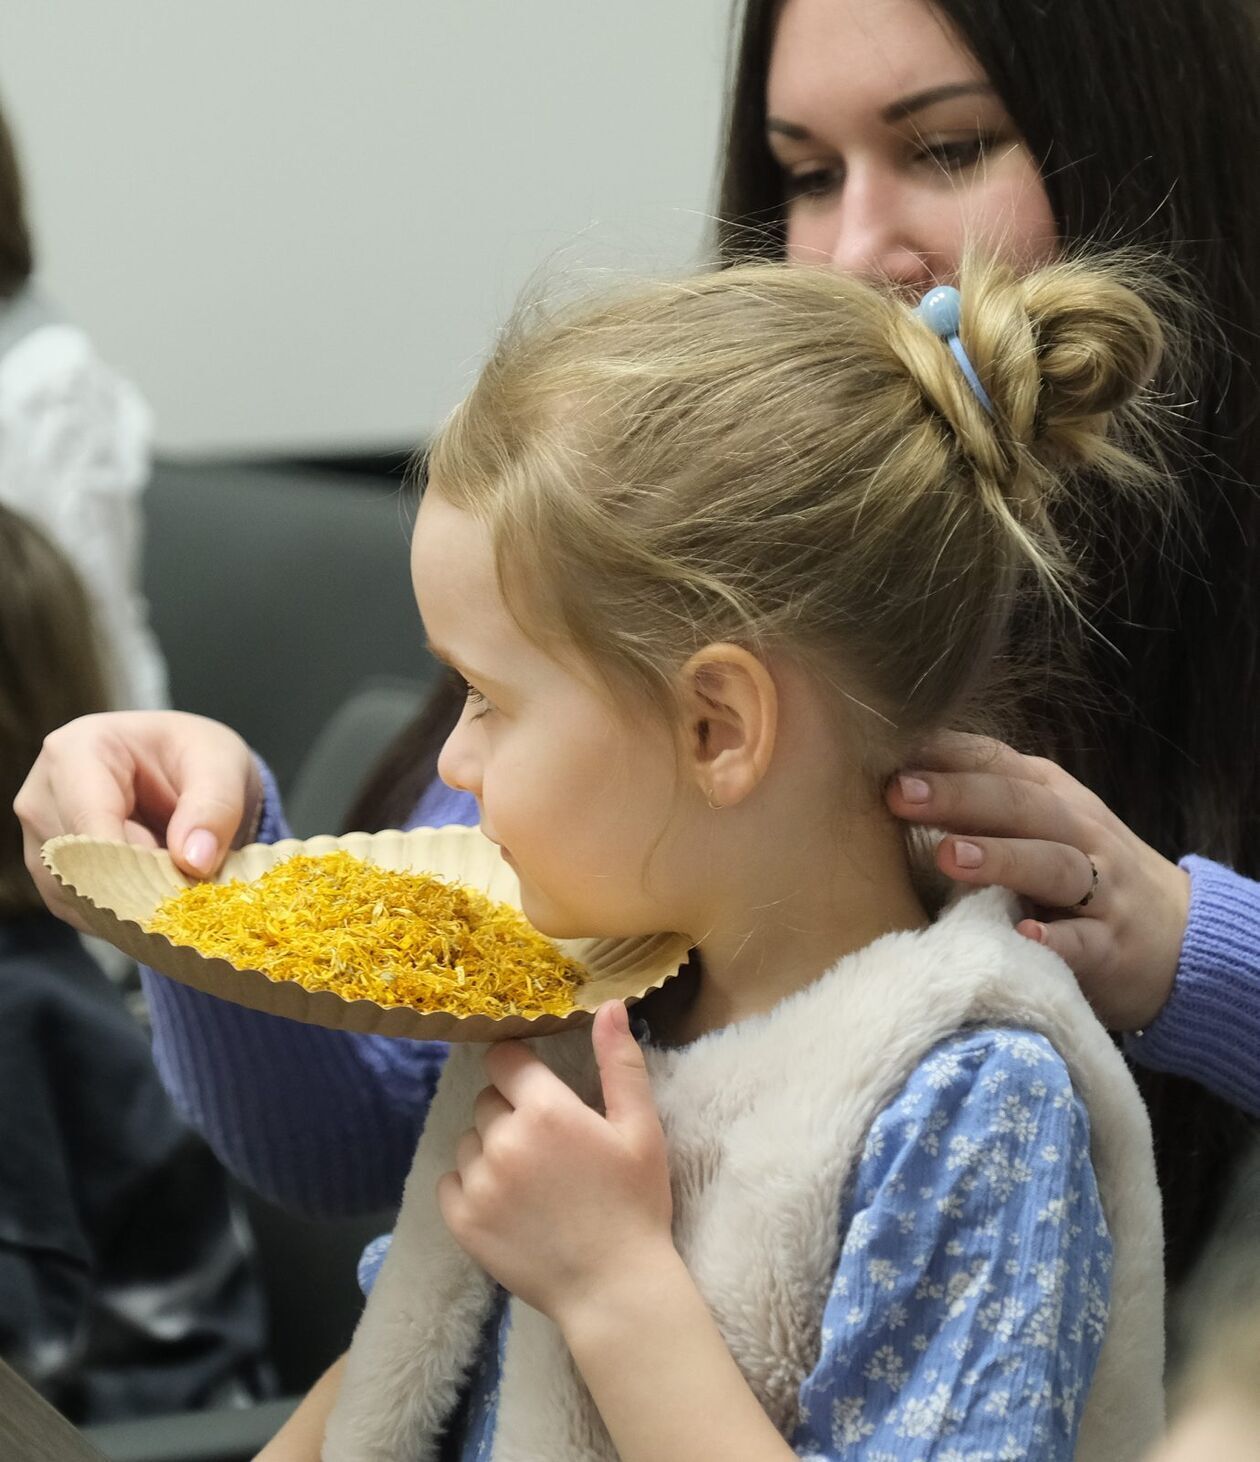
(766, 1121)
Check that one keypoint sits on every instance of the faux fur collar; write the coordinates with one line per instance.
(766, 1121)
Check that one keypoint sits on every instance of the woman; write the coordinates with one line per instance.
(1037, 129)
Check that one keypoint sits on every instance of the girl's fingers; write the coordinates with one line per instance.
(491, 1106)
(1050, 875)
(520, 1076)
(980, 802)
(467, 1151)
(623, 1074)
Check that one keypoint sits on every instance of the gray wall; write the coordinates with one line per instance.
(296, 225)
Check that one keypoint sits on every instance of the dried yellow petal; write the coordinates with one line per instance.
(367, 933)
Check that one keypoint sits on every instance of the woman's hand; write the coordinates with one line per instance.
(550, 1197)
(1024, 823)
(154, 778)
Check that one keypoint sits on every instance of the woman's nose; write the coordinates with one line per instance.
(873, 235)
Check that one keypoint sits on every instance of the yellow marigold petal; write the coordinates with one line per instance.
(337, 923)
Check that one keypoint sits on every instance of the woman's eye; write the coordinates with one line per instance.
(811, 183)
(957, 156)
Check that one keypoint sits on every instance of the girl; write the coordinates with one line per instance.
(852, 181)
(712, 559)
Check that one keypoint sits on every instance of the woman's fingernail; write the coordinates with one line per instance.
(1038, 933)
(968, 855)
(914, 789)
(201, 848)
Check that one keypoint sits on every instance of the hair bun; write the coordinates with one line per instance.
(1065, 354)
(1098, 345)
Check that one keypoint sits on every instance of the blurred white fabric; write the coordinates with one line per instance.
(75, 443)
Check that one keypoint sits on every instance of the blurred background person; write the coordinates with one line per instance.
(125, 1282)
(74, 452)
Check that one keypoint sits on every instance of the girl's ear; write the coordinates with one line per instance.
(730, 722)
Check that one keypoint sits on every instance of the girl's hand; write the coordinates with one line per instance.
(154, 778)
(550, 1197)
(1024, 823)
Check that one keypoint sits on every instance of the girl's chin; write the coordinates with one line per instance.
(557, 923)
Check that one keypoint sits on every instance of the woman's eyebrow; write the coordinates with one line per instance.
(896, 111)
(788, 129)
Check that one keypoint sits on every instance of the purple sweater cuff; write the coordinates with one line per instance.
(318, 1120)
(1209, 1030)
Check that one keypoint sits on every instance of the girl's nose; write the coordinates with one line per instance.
(457, 766)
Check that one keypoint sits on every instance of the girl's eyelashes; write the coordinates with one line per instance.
(473, 697)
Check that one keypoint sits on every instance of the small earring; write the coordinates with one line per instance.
(713, 806)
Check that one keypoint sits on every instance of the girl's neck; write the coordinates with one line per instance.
(787, 915)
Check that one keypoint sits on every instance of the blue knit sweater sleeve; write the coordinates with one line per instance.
(969, 1304)
(1210, 1028)
(324, 1122)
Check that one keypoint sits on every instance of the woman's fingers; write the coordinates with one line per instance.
(959, 751)
(1108, 904)
(1049, 874)
(150, 778)
(996, 805)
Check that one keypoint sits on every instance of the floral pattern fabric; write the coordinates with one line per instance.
(971, 1297)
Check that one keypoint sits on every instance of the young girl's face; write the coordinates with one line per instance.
(580, 794)
(896, 152)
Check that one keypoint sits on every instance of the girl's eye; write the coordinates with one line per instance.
(474, 698)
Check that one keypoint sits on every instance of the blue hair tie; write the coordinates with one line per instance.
(941, 311)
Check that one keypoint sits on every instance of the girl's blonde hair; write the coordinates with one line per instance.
(50, 673)
(789, 459)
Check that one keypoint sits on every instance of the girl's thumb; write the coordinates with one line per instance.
(622, 1071)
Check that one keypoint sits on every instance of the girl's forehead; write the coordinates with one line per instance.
(452, 567)
(456, 582)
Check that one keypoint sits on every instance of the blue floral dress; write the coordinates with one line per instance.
(970, 1300)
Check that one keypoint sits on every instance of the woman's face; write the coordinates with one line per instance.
(895, 150)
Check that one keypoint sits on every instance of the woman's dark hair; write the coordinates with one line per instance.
(1144, 116)
(16, 260)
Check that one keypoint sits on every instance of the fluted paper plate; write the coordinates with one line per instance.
(116, 887)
